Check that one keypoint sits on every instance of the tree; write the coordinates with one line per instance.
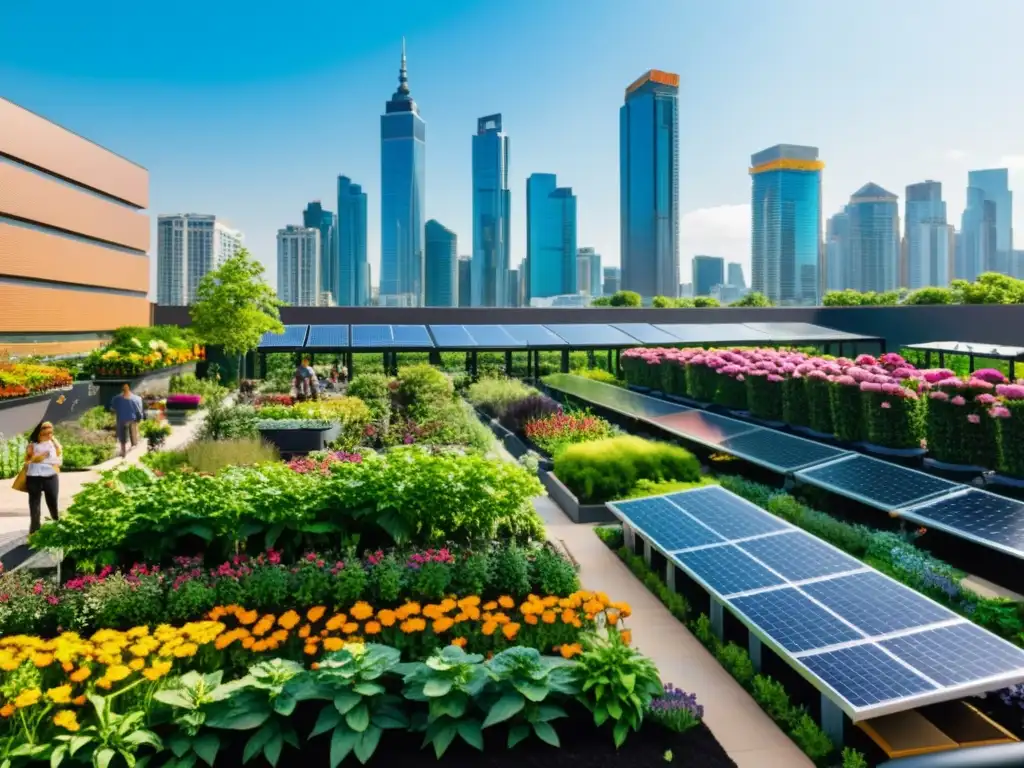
(626, 299)
(706, 302)
(663, 302)
(990, 288)
(753, 299)
(234, 307)
(931, 295)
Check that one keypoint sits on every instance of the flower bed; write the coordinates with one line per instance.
(24, 379)
(134, 351)
(553, 432)
(181, 402)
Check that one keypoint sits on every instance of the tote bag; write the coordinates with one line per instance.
(20, 483)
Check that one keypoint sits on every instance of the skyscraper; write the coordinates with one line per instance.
(298, 266)
(442, 267)
(785, 226)
(353, 272)
(491, 207)
(465, 281)
(403, 185)
(874, 254)
(612, 276)
(592, 285)
(927, 235)
(550, 237)
(734, 276)
(979, 235)
(708, 271)
(514, 296)
(995, 184)
(316, 216)
(188, 245)
(837, 252)
(649, 185)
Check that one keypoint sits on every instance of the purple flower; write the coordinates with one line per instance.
(870, 386)
(991, 375)
(938, 374)
(1010, 391)
(938, 395)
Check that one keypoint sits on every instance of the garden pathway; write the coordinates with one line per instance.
(14, 505)
(750, 737)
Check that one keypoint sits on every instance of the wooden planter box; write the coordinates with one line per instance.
(578, 513)
(301, 441)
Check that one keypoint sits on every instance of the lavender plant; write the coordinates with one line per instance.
(676, 709)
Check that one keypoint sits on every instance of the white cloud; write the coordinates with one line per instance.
(1013, 162)
(723, 230)
(956, 155)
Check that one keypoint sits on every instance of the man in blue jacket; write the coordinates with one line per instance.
(128, 411)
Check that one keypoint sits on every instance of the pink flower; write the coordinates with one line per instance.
(870, 386)
(958, 400)
(885, 405)
(985, 399)
(938, 374)
(865, 360)
(991, 375)
(1010, 391)
(974, 418)
(999, 412)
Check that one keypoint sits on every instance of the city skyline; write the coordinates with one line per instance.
(244, 166)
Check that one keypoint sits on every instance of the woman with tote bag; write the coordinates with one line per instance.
(40, 475)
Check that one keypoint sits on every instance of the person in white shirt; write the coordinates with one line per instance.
(43, 458)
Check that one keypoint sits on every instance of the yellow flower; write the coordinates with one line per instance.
(139, 650)
(510, 630)
(67, 720)
(372, 628)
(117, 673)
(158, 670)
(80, 675)
(333, 644)
(104, 683)
(59, 695)
(506, 602)
(137, 664)
(361, 611)
(288, 620)
(42, 660)
(313, 615)
(27, 698)
(386, 617)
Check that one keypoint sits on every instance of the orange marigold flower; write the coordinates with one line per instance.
(351, 628)
(489, 627)
(593, 606)
(468, 602)
(42, 660)
(336, 622)
(105, 684)
(361, 611)
(414, 624)
(333, 644)
(7, 710)
(314, 666)
(246, 617)
(304, 631)
(442, 624)
(289, 620)
(550, 601)
(386, 617)
(432, 611)
(259, 646)
(448, 605)
(248, 641)
(459, 641)
(506, 602)
(501, 618)
(309, 650)
(314, 614)
(548, 617)
(510, 630)
(79, 701)
(372, 628)
(490, 605)
(216, 614)
(612, 616)
(80, 675)
(530, 618)
(67, 666)
(622, 608)
(569, 650)
(627, 636)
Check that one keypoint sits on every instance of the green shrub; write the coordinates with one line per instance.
(211, 456)
(701, 382)
(608, 469)
(351, 413)
(12, 455)
(737, 663)
(731, 393)
(765, 395)
(672, 378)
(165, 461)
(229, 422)
(97, 419)
(372, 389)
(84, 448)
(847, 411)
(552, 573)
(819, 404)
(795, 407)
(188, 384)
(494, 396)
(423, 391)
(600, 374)
(1011, 440)
(894, 420)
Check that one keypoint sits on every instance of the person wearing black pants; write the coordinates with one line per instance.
(42, 480)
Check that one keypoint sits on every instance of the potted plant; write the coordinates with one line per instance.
(155, 432)
(180, 406)
(298, 436)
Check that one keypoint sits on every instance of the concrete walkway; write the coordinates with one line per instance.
(750, 737)
(14, 505)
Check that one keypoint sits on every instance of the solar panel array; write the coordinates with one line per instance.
(867, 642)
(556, 336)
(877, 483)
(979, 516)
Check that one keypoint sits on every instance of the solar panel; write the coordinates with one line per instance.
(779, 451)
(617, 399)
(957, 654)
(293, 336)
(646, 333)
(804, 332)
(666, 524)
(371, 336)
(411, 336)
(983, 517)
(534, 336)
(493, 336)
(452, 337)
(875, 604)
(797, 556)
(726, 513)
(793, 621)
(704, 427)
(727, 570)
(718, 333)
(876, 483)
(328, 336)
(866, 675)
(596, 335)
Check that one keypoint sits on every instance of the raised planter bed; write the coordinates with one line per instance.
(300, 441)
(578, 513)
(516, 445)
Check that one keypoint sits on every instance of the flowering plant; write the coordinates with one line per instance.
(552, 432)
(21, 379)
(182, 402)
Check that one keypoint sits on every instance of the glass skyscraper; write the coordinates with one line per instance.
(316, 217)
(465, 280)
(928, 236)
(995, 186)
(550, 238)
(874, 253)
(735, 277)
(785, 242)
(352, 274)
(402, 202)
(442, 267)
(837, 252)
(491, 203)
(588, 271)
(649, 185)
(708, 271)
(979, 235)
(612, 276)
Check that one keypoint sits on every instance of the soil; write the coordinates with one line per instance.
(583, 746)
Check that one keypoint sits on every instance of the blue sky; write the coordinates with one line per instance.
(250, 110)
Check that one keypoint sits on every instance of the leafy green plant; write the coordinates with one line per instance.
(189, 698)
(97, 418)
(361, 709)
(617, 684)
(111, 736)
(448, 682)
(772, 697)
(494, 396)
(553, 573)
(229, 422)
(211, 456)
(851, 757)
(810, 738)
(522, 682)
(372, 389)
(737, 662)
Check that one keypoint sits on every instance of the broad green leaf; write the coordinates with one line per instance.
(272, 751)
(284, 704)
(179, 744)
(358, 718)
(614, 709)
(204, 532)
(507, 706)
(56, 757)
(394, 525)
(174, 698)
(443, 739)
(345, 700)
(437, 687)
(343, 741)
(272, 535)
(367, 744)
(257, 742)
(328, 719)
(546, 733)
(548, 712)
(206, 745)
(517, 733)
(600, 715)
(619, 733)
(102, 757)
(368, 689)
(470, 732)
(76, 743)
(239, 718)
(628, 680)
(532, 691)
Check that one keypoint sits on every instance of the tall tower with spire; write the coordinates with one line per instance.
(403, 197)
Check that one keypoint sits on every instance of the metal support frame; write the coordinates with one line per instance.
(529, 364)
(434, 356)
(970, 363)
(262, 369)
(565, 361)
(717, 619)
(647, 552)
(618, 363)
(508, 362)
(591, 359)
(610, 368)
(833, 721)
(670, 575)
(754, 650)
(629, 538)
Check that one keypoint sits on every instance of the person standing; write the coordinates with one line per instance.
(42, 464)
(128, 411)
